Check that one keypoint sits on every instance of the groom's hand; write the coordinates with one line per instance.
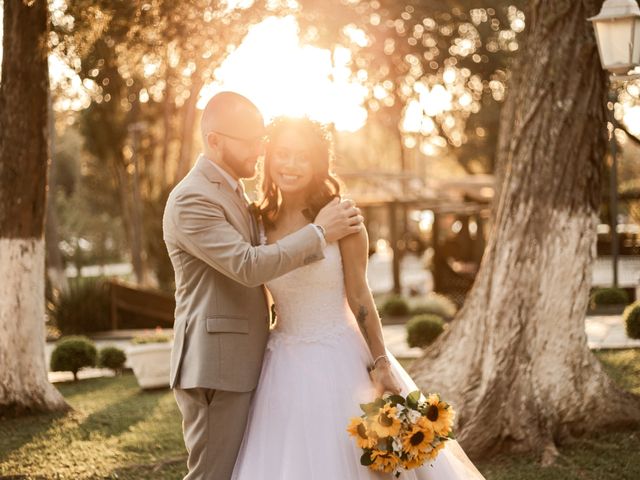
(339, 218)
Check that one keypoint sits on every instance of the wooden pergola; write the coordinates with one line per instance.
(399, 193)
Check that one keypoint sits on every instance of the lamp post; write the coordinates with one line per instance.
(617, 29)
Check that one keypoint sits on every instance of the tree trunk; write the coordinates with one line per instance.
(54, 262)
(24, 154)
(515, 363)
(188, 123)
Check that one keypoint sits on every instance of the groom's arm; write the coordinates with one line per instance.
(202, 229)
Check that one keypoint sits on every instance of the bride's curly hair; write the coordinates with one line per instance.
(324, 185)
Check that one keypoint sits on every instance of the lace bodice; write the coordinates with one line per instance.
(311, 302)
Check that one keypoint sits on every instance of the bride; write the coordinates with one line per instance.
(314, 375)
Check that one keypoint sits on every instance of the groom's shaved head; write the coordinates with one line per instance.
(229, 113)
(232, 133)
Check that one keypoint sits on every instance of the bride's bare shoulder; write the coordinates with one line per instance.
(355, 245)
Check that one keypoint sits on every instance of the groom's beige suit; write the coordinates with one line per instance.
(222, 314)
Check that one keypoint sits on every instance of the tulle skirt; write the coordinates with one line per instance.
(309, 389)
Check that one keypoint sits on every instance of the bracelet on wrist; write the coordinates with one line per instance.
(381, 357)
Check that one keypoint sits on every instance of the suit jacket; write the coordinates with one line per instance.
(222, 316)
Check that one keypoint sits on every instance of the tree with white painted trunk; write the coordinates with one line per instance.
(515, 362)
(24, 154)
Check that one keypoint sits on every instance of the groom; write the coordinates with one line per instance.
(222, 315)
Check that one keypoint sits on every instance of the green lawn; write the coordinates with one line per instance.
(117, 431)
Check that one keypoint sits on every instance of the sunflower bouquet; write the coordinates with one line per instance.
(402, 433)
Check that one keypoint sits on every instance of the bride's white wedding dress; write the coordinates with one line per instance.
(313, 379)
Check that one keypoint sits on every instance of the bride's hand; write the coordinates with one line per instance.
(384, 380)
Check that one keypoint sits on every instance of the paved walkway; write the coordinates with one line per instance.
(602, 332)
(414, 276)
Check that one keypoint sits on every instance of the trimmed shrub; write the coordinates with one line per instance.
(395, 306)
(631, 318)
(436, 304)
(609, 296)
(112, 358)
(83, 308)
(73, 353)
(422, 330)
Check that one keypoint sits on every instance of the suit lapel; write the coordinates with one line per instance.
(213, 175)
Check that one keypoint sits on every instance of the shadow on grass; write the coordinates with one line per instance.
(16, 432)
(102, 408)
(120, 407)
(605, 456)
(72, 389)
(168, 469)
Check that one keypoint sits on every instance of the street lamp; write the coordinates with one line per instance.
(617, 29)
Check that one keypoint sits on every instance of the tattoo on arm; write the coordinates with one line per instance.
(362, 317)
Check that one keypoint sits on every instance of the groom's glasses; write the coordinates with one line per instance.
(260, 140)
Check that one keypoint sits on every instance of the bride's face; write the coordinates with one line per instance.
(291, 165)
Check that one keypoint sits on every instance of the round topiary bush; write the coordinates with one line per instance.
(112, 358)
(609, 296)
(395, 306)
(631, 318)
(422, 330)
(73, 353)
(436, 304)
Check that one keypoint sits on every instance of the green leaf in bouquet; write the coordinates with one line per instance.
(379, 402)
(413, 399)
(366, 459)
(370, 408)
(385, 444)
(396, 399)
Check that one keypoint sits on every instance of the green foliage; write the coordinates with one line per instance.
(415, 43)
(609, 296)
(83, 308)
(631, 318)
(422, 330)
(436, 304)
(73, 353)
(395, 306)
(112, 358)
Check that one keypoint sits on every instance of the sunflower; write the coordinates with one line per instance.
(384, 461)
(418, 438)
(364, 437)
(415, 461)
(433, 453)
(440, 414)
(386, 422)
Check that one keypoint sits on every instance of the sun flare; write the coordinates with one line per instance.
(283, 77)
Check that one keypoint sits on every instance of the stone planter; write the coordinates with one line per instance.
(150, 364)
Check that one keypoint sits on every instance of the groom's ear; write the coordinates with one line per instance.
(212, 140)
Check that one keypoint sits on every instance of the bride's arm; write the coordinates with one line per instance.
(354, 249)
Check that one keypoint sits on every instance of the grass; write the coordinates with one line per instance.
(117, 431)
